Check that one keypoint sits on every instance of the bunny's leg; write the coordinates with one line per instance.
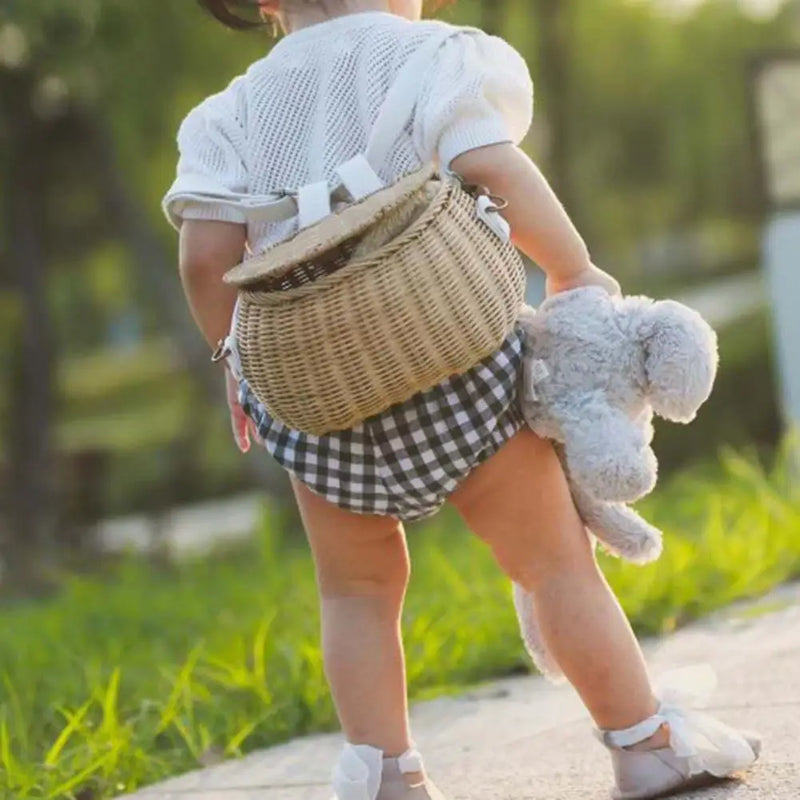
(621, 531)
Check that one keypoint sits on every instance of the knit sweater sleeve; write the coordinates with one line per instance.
(212, 169)
(479, 92)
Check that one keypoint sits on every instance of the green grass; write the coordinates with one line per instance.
(150, 672)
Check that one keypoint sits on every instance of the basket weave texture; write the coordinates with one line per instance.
(429, 304)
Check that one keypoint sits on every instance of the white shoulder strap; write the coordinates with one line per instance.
(254, 207)
(401, 99)
(358, 176)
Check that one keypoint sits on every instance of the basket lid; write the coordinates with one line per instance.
(334, 229)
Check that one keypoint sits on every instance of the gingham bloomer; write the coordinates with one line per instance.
(406, 461)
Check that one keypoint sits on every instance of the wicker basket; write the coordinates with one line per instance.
(325, 353)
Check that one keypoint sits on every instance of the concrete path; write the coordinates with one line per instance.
(184, 532)
(524, 739)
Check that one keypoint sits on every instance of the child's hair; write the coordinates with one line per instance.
(225, 10)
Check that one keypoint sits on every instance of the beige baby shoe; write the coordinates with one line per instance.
(363, 773)
(702, 750)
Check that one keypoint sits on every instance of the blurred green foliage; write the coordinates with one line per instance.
(119, 682)
(743, 409)
(659, 135)
(661, 168)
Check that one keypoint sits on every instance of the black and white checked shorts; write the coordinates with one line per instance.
(406, 461)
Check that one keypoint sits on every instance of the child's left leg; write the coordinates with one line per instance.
(362, 572)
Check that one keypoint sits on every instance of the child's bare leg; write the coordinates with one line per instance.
(519, 503)
(362, 572)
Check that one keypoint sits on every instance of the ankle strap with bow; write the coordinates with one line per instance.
(709, 745)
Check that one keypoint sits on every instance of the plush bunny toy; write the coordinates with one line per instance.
(598, 366)
(596, 369)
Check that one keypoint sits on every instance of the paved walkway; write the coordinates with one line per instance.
(524, 739)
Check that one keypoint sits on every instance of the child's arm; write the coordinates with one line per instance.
(540, 225)
(207, 251)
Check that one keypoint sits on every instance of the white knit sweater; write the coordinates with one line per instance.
(309, 106)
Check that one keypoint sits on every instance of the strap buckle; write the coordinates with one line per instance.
(222, 352)
(476, 191)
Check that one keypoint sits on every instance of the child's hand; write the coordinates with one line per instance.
(242, 425)
(589, 276)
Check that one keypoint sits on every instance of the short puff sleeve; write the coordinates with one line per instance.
(478, 92)
(212, 172)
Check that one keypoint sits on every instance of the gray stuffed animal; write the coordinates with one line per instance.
(596, 368)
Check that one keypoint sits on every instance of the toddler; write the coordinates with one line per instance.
(291, 120)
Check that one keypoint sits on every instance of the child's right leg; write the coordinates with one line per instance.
(519, 503)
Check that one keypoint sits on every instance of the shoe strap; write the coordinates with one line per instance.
(707, 744)
(618, 740)
(410, 762)
(357, 776)
(676, 690)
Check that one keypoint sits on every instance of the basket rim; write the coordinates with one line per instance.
(376, 258)
(333, 230)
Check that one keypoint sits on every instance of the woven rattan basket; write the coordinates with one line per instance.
(325, 353)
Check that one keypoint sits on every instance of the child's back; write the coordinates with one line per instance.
(309, 106)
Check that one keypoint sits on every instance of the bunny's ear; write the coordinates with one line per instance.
(680, 359)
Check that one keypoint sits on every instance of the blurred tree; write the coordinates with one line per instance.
(494, 17)
(556, 49)
(75, 92)
(658, 116)
(30, 488)
(642, 118)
